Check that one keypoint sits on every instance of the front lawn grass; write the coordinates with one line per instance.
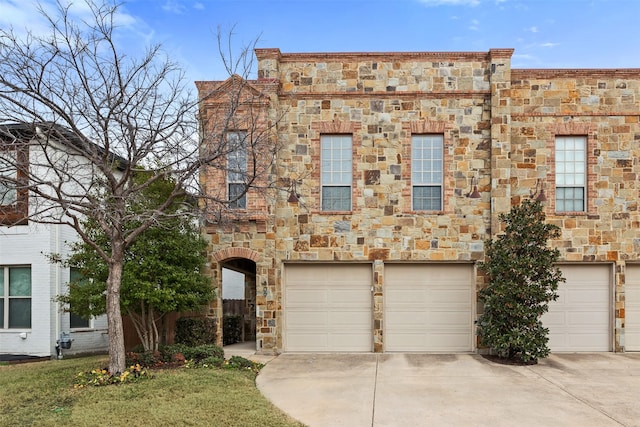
(42, 394)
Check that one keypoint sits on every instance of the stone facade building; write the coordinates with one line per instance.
(390, 173)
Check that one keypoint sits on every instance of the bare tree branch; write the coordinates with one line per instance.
(79, 119)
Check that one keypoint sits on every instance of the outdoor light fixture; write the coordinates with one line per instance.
(474, 194)
(538, 191)
(293, 194)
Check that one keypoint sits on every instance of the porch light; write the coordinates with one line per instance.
(538, 191)
(474, 194)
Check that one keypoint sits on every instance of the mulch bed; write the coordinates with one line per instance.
(505, 361)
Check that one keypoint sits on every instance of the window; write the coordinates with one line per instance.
(14, 198)
(76, 321)
(237, 170)
(8, 176)
(570, 174)
(426, 172)
(15, 297)
(336, 172)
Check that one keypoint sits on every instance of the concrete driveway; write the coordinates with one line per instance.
(599, 389)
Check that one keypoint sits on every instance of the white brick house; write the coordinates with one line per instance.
(31, 321)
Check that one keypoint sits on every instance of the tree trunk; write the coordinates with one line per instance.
(114, 316)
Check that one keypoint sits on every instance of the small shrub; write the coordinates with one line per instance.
(148, 359)
(102, 377)
(194, 331)
(231, 328)
(201, 352)
(240, 363)
(211, 362)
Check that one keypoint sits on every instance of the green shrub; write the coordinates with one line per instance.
(240, 363)
(194, 331)
(202, 352)
(523, 278)
(231, 328)
(148, 359)
(211, 362)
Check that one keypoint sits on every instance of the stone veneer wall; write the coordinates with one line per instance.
(499, 126)
(603, 106)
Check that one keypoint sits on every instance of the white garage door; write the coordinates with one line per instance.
(327, 308)
(632, 308)
(579, 320)
(428, 307)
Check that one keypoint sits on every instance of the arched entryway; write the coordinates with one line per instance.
(238, 301)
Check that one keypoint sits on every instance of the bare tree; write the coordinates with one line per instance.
(80, 118)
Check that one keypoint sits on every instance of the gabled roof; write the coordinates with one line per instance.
(210, 90)
(58, 133)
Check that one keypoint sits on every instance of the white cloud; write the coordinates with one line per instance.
(173, 6)
(475, 25)
(24, 15)
(549, 44)
(198, 6)
(533, 29)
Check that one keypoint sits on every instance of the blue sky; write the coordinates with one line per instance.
(544, 33)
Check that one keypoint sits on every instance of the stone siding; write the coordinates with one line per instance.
(499, 126)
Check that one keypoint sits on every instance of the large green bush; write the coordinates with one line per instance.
(194, 331)
(231, 328)
(522, 280)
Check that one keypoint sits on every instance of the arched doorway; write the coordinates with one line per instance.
(238, 301)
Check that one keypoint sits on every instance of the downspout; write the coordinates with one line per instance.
(57, 305)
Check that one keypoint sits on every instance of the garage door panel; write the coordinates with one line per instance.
(327, 308)
(587, 296)
(587, 318)
(347, 296)
(308, 296)
(307, 318)
(579, 320)
(632, 308)
(353, 318)
(461, 319)
(428, 307)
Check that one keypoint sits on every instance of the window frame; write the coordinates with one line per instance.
(10, 173)
(16, 212)
(341, 165)
(415, 170)
(6, 298)
(237, 167)
(87, 323)
(561, 166)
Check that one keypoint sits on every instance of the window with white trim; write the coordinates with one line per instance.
(571, 173)
(237, 169)
(336, 172)
(76, 321)
(426, 172)
(15, 297)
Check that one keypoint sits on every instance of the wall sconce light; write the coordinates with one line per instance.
(538, 191)
(474, 193)
(294, 197)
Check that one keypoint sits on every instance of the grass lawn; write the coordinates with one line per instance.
(42, 394)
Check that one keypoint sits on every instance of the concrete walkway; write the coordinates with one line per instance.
(599, 389)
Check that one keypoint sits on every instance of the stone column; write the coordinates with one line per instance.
(500, 78)
(268, 63)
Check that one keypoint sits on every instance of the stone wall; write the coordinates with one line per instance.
(499, 127)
